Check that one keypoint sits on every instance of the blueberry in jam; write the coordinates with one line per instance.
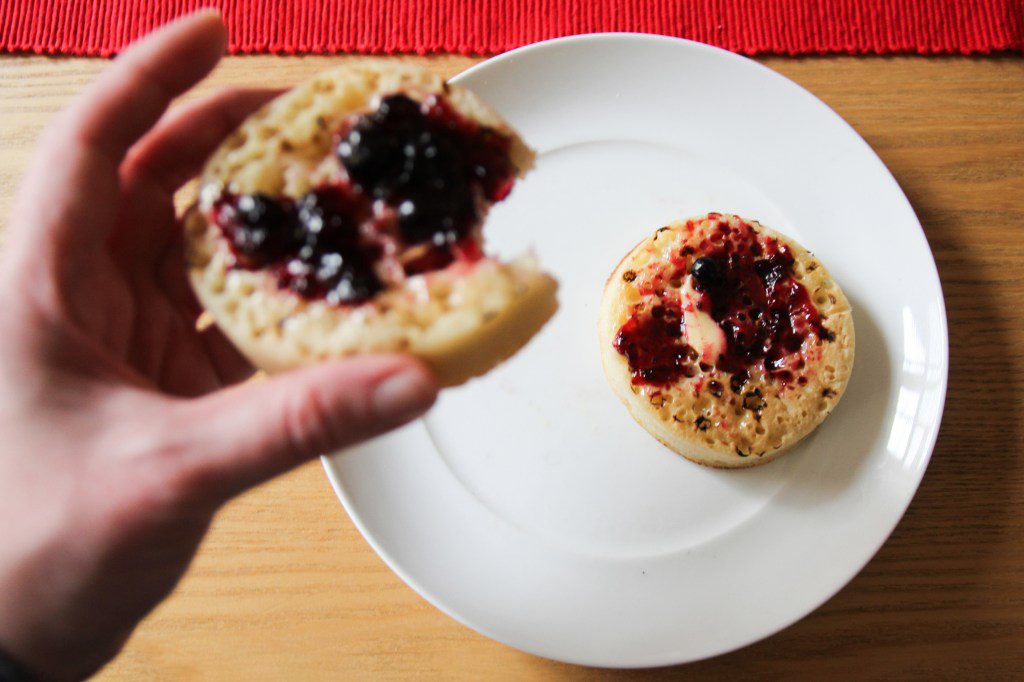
(332, 260)
(326, 217)
(428, 163)
(372, 150)
(706, 272)
(259, 228)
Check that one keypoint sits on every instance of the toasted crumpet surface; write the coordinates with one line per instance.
(461, 320)
(708, 417)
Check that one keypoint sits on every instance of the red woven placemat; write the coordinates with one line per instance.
(102, 27)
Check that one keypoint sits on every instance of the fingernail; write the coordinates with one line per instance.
(404, 395)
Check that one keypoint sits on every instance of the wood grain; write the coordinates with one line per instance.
(285, 588)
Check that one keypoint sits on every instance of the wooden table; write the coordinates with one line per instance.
(285, 588)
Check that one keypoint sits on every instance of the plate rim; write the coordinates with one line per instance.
(942, 389)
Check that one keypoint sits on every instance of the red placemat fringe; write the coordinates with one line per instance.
(793, 27)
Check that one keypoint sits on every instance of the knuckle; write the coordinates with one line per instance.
(313, 424)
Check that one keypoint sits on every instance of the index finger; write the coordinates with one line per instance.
(135, 91)
(70, 192)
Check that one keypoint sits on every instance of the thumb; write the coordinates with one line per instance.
(248, 433)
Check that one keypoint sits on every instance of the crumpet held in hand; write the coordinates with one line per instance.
(346, 217)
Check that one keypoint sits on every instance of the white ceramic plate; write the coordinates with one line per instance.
(528, 504)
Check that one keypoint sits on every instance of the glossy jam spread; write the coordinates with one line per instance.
(746, 284)
(435, 167)
(434, 171)
(654, 346)
(313, 244)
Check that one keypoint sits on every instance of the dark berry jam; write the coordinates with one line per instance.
(746, 284)
(764, 311)
(435, 170)
(333, 260)
(313, 243)
(433, 166)
(258, 227)
(707, 271)
(653, 344)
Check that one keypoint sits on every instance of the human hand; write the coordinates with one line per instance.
(125, 428)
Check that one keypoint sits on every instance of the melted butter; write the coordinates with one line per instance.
(699, 328)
